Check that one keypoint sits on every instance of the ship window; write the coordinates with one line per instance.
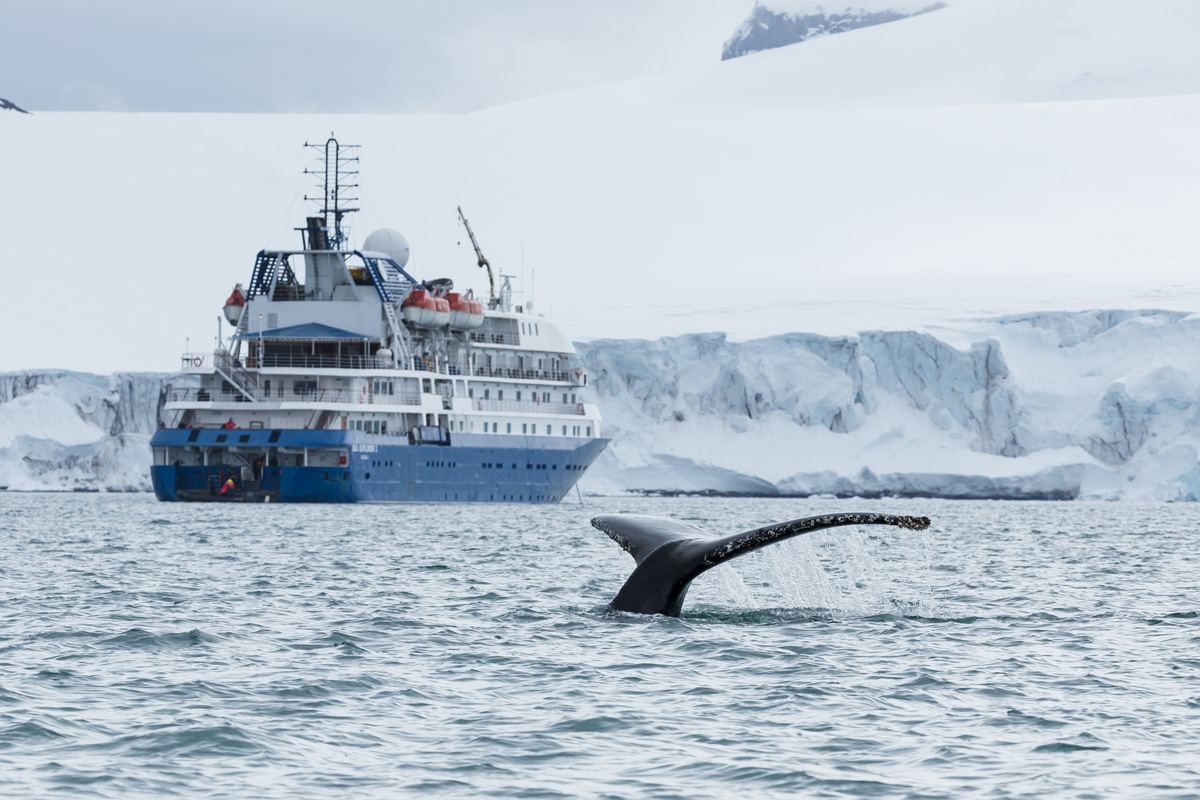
(545, 397)
(508, 427)
(383, 426)
(572, 398)
(529, 466)
(499, 394)
(589, 433)
(554, 466)
(518, 395)
(220, 437)
(368, 476)
(267, 388)
(536, 330)
(524, 427)
(245, 437)
(470, 392)
(547, 430)
(274, 437)
(194, 435)
(487, 394)
(564, 430)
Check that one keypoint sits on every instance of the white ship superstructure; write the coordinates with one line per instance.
(346, 368)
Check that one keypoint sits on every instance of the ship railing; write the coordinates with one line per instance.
(295, 361)
(196, 361)
(284, 395)
(561, 376)
(528, 407)
(232, 370)
(430, 365)
(489, 337)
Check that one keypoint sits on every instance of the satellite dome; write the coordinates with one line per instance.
(393, 243)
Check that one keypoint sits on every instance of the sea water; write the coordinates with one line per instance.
(1013, 650)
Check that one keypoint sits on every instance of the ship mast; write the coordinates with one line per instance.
(336, 170)
(483, 262)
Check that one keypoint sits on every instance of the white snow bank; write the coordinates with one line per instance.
(876, 179)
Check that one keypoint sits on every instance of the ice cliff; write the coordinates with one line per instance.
(777, 23)
(1100, 404)
(74, 431)
(1059, 405)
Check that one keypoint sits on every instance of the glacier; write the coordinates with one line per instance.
(1049, 405)
(71, 431)
(1099, 404)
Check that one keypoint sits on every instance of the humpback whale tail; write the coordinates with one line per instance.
(670, 554)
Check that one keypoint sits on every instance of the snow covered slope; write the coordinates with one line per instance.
(778, 23)
(1095, 404)
(889, 177)
(73, 431)
(973, 52)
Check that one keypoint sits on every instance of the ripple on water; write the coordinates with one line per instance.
(383, 651)
(139, 639)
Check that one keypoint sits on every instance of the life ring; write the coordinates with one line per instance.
(197, 361)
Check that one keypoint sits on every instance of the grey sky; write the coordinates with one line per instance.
(348, 56)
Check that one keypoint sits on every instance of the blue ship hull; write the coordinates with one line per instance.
(470, 468)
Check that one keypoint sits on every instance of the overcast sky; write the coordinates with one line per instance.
(373, 56)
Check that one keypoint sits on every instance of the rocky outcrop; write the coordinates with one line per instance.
(769, 26)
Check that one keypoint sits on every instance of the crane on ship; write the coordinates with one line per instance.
(483, 262)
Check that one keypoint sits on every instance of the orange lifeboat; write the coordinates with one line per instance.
(466, 313)
(234, 305)
(424, 310)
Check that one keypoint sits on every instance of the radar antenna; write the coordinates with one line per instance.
(336, 170)
(483, 262)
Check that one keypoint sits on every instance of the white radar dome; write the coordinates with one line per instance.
(386, 240)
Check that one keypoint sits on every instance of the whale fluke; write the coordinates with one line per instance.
(670, 554)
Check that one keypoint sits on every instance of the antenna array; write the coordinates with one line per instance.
(336, 172)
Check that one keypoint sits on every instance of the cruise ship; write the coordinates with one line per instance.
(347, 380)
